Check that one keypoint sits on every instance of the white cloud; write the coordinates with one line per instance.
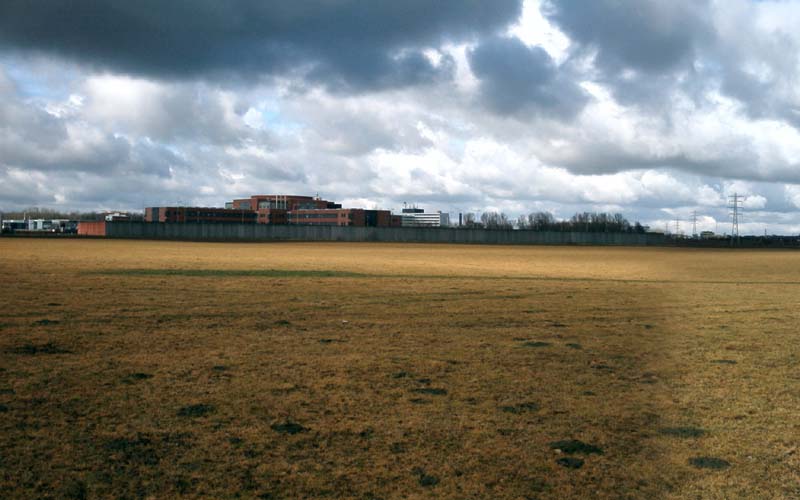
(533, 29)
(793, 194)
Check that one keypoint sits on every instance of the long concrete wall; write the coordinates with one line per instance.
(265, 232)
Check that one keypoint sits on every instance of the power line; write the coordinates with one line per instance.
(736, 208)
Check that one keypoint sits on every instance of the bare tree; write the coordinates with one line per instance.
(496, 220)
(470, 221)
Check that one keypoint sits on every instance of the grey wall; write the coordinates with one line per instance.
(264, 232)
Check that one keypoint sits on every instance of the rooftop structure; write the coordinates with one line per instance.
(281, 202)
(116, 216)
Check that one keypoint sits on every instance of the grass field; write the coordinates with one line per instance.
(300, 370)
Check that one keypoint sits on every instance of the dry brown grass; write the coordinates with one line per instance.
(158, 369)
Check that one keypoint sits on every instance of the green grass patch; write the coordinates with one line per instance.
(536, 343)
(521, 408)
(709, 463)
(682, 432)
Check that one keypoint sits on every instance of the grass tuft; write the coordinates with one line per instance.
(36, 349)
(430, 390)
(709, 463)
(135, 377)
(571, 446)
(423, 479)
(520, 408)
(46, 322)
(198, 410)
(682, 432)
(570, 462)
(536, 343)
(288, 427)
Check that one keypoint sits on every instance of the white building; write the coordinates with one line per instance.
(416, 217)
(52, 225)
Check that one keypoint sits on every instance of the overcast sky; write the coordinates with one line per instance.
(651, 108)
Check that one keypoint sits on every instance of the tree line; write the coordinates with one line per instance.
(591, 222)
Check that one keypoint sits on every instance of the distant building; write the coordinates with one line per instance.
(198, 214)
(11, 225)
(52, 225)
(278, 209)
(274, 208)
(272, 216)
(92, 228)
(39, 226)
(308, 210)
(710, 235)
(416, 217)
(340, 217)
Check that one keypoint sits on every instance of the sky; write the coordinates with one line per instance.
(654, 109)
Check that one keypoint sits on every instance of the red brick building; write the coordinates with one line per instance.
(276, 209)
(340, 217)
(92, 228)
(271, 216)
(327, 217)
(198, 214)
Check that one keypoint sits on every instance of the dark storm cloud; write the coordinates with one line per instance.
(649, 51)
(363, 44)
(594, 159)
(516, 79)
(644, 51)
(644, 35)
(730, 156)
(763, 96)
